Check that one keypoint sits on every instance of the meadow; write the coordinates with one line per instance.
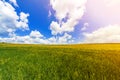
(60, 62)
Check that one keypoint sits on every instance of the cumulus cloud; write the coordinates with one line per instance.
(23, 21)
(36, 34)
(14, 2)
(108, 34)
(64, 39)
(85, 26)
(9, 20)
(55, 27)
(68, 13)
(33, 38)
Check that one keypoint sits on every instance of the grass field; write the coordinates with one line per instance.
(60, 62)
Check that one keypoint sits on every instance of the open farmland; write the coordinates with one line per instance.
(60, 62)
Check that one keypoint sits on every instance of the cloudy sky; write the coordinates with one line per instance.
(59, 21)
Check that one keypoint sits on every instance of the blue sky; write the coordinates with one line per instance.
(59, 21)
(38, 10)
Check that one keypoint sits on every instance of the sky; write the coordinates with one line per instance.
(59, 21)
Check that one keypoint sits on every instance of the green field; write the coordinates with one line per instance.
(60, 62)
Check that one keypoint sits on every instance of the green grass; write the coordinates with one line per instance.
(60, 62)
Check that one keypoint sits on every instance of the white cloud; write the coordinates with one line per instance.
(36, 34)
(52, 40)
(33, 38)
(85, 26)
(9, 20)
(14, 2)
(55, 27)
(71, 11)
(108, 34)
(64, 39)
(23, 23)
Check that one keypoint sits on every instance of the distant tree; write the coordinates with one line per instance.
(3, 42)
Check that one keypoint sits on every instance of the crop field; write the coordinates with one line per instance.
(60, 62)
